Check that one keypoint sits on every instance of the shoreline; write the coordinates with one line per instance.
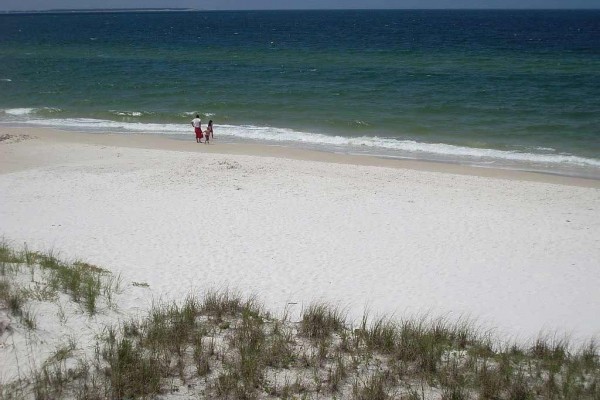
(159, 142)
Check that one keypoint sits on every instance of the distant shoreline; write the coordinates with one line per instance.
(158, 10)
(99, 10)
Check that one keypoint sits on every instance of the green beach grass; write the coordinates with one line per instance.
(222, 345)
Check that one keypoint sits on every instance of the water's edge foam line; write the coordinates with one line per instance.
(370, 145)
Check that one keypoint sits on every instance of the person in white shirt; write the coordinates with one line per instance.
(197, 124)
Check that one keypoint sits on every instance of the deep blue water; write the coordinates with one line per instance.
(487, 87)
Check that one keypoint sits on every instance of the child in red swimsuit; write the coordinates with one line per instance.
(198, 134)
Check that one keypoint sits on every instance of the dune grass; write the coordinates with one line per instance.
(222, 345)
(84, 283)
(328, 358)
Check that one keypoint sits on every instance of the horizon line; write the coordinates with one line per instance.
(186, 9)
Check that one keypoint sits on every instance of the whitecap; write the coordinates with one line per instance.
(51, 109)
(20, 111)
(127, 113)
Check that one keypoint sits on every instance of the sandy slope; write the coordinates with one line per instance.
(518, 254)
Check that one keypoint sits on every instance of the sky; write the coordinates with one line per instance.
(21, 5)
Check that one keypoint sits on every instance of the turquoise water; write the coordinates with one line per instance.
(515, 89)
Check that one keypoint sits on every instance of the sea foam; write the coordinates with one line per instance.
(19, 111)
(29, 111)
(127, 113)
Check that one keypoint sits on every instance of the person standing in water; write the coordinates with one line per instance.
(197, 124)
(209, 132)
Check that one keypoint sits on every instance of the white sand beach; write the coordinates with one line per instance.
(518, 252)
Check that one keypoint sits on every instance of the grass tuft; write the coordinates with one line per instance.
(382, 335)
(321, 320)
(131, 373)
(84, 282)
(8, 255)
(218, 304)
(376, 387)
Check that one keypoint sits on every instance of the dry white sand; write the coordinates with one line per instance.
(519, 252)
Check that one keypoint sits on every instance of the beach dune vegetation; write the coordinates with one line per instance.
(223, 345)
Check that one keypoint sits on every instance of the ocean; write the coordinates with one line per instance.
(506, 89)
